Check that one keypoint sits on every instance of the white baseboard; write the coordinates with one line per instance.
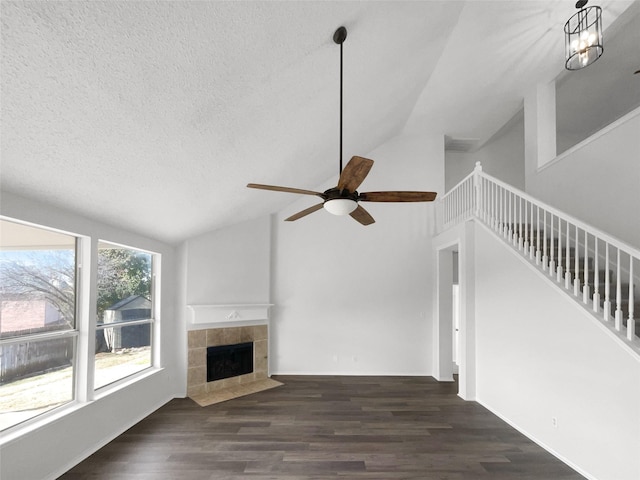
(538, 442)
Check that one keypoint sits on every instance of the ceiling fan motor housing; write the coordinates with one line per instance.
(334, 193)
(340, 201)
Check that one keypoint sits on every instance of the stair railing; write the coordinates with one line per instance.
(596, 268)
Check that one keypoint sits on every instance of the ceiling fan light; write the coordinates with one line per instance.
(340, 206)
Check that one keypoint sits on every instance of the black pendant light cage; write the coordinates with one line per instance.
(583, 37)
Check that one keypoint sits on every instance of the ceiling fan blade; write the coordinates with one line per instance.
(362, 216)
(304, 213)
(285, 189)
(397, 196)
(354, 173)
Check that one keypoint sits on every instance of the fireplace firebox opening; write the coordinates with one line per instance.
(228, 361)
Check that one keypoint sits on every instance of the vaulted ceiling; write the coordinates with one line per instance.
(154, 115)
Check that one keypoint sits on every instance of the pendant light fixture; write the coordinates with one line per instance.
(583, 37)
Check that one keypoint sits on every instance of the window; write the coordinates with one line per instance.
(125, 313)
(43, 313)
(38, 331)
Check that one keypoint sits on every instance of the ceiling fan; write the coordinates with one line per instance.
(344, 198)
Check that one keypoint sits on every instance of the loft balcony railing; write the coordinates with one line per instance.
(594, 267)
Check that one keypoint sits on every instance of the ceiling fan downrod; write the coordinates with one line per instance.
(339, 37)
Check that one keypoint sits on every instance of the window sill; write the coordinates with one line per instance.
(29, 426)
(126, 382)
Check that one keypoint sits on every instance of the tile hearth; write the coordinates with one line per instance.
(207, 393)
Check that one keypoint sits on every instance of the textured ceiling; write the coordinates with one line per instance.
(155, 115)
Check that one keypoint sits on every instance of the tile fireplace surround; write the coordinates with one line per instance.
(199, 340)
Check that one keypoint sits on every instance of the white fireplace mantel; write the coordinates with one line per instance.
(217, 316)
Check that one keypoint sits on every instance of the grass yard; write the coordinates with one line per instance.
(26, 398)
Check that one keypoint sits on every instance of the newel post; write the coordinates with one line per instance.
(477, 187)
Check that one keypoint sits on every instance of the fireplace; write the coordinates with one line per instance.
(199, 341)
(226, 361)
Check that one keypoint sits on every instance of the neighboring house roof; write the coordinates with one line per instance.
(131, 302)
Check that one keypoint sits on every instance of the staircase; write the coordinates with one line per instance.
(596, 269)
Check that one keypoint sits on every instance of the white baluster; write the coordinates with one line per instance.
(454, 212)
(483, 209)
(496, 197)
(499, 207)
(486, 205)
(490, 206)
(559, 269)
(506, 214)
(477, 186)
(531, 235)
(459, 201)
(545, 258)
(552, 263)
(525, 240)
(470, 197)
(520, 237)
(512, 222)
(585, 286)
(496, 213)
(567, 263)
(631, 323)
(618, 315)
(538, 250)
(596, 278)
(502, 215)
(462, 202)
(606, 306)
(576, 272)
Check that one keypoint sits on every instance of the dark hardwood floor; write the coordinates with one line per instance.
(326, 428)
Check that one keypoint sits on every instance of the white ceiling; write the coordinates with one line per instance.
(154, 115)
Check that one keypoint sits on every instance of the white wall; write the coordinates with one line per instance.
(351, 299)
(50, 447)
(230, 265)
(502, 157)
(598, 181)
(540, 356)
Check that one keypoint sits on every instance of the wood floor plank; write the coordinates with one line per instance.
(326, 428)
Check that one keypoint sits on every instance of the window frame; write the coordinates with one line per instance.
(72, 333)
(152, 321)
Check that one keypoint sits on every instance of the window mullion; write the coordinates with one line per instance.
(87, 263)
(156, 311)
(38, 337)
(123, 323)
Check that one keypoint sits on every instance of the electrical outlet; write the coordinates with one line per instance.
(554, 422)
